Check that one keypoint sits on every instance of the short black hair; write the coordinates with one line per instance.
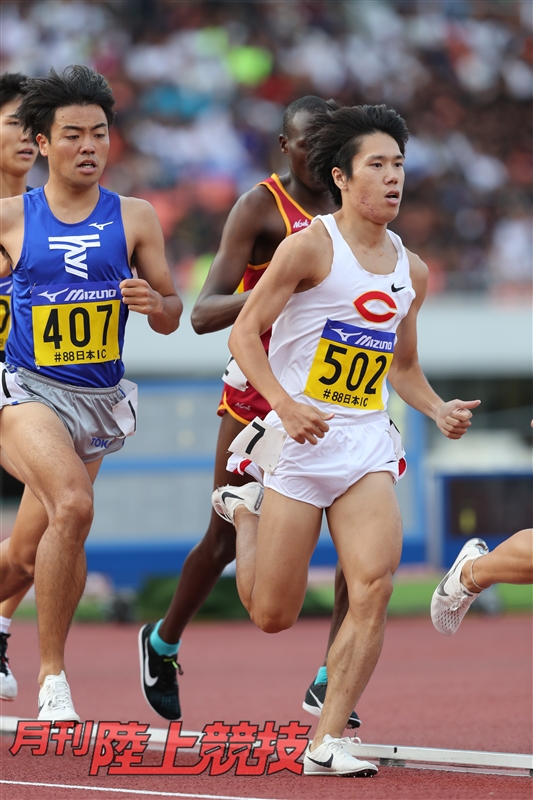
(309, 103)
(77, 85)
(12, 85)
(338, 134)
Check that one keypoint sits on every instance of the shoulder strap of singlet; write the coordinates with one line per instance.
(403, 259)
(330, 224)
(288, 208)
(326, 220)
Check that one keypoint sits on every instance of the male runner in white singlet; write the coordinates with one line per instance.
(342, 298)
(73, 246)
(274, 209)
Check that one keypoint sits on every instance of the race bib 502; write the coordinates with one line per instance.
(76, 323)
(350, 365)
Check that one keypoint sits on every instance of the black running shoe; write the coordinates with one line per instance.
(159, 681)
(314, 700)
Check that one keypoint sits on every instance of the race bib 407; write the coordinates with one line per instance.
(350, 365)
(76, 323)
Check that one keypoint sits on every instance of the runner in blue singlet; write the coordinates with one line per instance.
(64, 402)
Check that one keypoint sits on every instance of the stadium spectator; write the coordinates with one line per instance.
(201, 87)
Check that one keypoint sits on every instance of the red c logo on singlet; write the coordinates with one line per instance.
(361, 301)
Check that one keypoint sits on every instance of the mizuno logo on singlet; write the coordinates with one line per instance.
(344, 336)
(98, 294)
(100, 225)
(363, 340)
(376, 344)
(52, 295)
(76, 247)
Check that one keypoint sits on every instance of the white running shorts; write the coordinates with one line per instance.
(318, 474)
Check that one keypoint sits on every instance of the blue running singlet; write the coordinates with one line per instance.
(68, 318)
(6, 289)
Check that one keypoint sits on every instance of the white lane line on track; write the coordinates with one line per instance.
(143, 792)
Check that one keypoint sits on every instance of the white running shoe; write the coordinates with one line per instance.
(350, 744)
(451, 600)
(331, 758)
(8, 683)
(55, 702)
(227, 498)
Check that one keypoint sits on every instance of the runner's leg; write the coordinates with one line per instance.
(273, 566)
(41, 449)
(369, 554)
(509, 562)
(206, 561)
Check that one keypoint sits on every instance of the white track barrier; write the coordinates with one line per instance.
(518, 764)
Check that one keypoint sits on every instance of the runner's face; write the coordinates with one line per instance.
(376, 186)
(17, 153)
(78, 146)
(295, 147)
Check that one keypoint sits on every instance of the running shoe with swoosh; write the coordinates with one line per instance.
(226, 499)
(314, 700)
(331, 758)
(451, 600)
(55, 702)
(159, 681)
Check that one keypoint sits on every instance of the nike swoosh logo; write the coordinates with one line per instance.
(228, 494)
(397, 288)
(327, 763)
(319, 704)
(149, 681)
(440, 590)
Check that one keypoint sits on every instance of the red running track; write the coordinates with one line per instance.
(471, 691)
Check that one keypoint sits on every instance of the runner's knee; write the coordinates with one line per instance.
(369, 598)
(74, 510)
(272, 620)
(21, 560)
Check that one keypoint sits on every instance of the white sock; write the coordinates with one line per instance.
(5, 622)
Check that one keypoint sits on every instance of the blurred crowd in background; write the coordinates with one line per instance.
(201, 88)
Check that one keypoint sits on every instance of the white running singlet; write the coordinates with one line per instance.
(332, 345)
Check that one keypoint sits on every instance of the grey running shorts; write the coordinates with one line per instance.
(98, 420)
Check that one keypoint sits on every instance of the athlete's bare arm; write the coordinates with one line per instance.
(301, 262)
(406, 376)
(153, 292)
(5, 264)
(252, 233)
(11, 232)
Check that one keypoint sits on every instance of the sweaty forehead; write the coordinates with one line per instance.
(9, 109)
(379, 143)
(81, 116)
